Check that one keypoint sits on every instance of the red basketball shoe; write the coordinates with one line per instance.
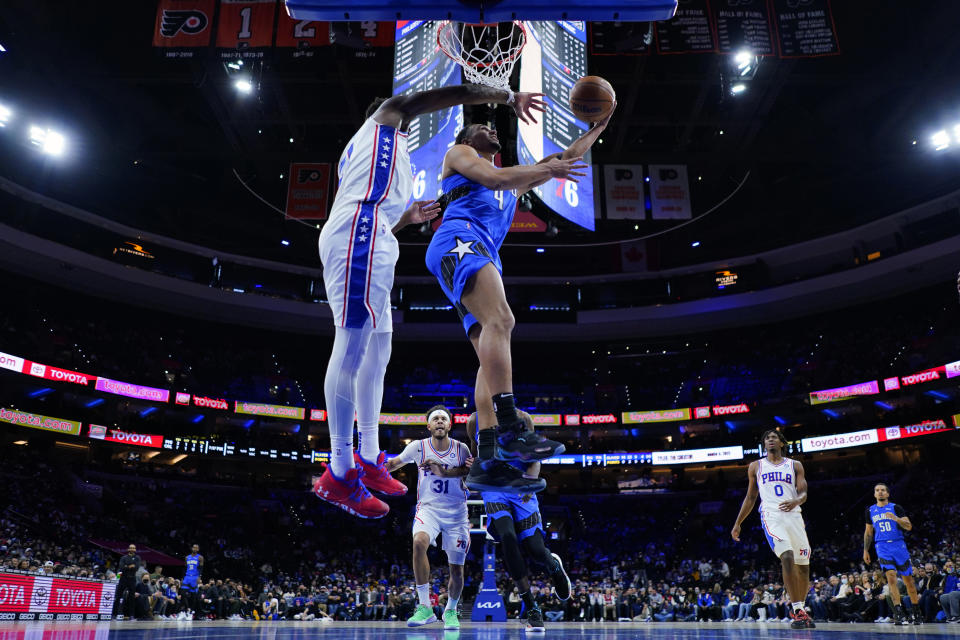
(376, 476)
(801, 620)
(349, 494)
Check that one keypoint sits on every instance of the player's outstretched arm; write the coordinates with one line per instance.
(400, 110)
(463, 159)
(748, 500)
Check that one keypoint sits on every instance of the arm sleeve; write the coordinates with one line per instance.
(866, 516)
(411, 453)
(899, 511)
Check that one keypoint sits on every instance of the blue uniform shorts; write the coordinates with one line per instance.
(523, 509)
(455, 254)
(893, 556)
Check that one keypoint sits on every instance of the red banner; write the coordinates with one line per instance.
(245, 24)
(211, 403)
(308, 190)
(302, 35)
(99, 432)
(49, 595)
(183, 24)
(60, 375)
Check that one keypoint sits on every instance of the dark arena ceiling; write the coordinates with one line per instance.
(828, 142)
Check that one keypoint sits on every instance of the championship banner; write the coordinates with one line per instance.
(743, 24)
(99, 432)
(37, 421)
(669, 192)
(688, 31)
(303, 36)
(623, 191)
(805, 29)
(245, 27)
(308, 190)
(49, 598)
(183, 26)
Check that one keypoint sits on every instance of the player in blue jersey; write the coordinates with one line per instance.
(885, 524)
(191, 580)
(514, 521)
(479, 201)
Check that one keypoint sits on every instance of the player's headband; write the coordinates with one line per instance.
(434, 412)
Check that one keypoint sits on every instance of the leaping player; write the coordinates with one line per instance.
(359, 253)
(886, 523)
(782, 487)
(515, 520)
(480, 200)
(441, 510)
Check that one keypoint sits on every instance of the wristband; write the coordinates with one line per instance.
(511, 96)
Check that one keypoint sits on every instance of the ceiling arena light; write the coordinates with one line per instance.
(5, 115)
(940, 140)
(50, 142)
(243, 85)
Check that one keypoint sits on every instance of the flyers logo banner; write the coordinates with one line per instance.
(308, 190)
(183, 25)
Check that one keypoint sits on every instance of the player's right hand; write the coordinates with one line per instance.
(866, 557)
(525, 103)
(735, 532)
(560, 168)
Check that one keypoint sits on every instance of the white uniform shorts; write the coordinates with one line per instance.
(358, 267)
(786, 531)
(455, 532)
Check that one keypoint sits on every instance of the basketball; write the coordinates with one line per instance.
(592, 98)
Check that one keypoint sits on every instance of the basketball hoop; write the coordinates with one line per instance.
(486, 51)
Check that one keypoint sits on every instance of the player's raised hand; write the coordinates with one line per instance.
(568, 169)
(789, 505)
(602, 124)
(421, 211)
(735, 532)
(524, 104)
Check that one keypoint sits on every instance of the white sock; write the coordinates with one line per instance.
(339, 390)
(423, 593)
(452, 604)
(369, 437)
(798, 606)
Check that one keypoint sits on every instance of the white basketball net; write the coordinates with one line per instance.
(487, 52)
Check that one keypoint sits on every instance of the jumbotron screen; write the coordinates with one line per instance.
(554, 58)
(419, 65)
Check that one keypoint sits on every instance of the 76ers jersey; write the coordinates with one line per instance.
(447, 494)
(777, 483)
(373, 173)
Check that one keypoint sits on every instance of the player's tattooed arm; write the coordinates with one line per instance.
(867, 542)
(451, 472)
(748, 500)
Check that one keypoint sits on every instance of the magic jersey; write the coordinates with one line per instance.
(447, 494)
(193, 566)
(776, 483)
(374, 178)
(885, 530)
(488, 212)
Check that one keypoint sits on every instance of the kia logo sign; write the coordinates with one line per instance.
(489, 605)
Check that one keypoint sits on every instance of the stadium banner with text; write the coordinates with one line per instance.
(952, 369)
(546, 419)
(100, 432)
(303, 36)
(924, 428)
(211, 403)
(956, 420)
(742, 25)
(715, 454)
(663, 415)
(842, 393)
(526, 222)
(183, 26)
(689, 31)
(269, 410)
(59, 375)
(245, 28)
(669, 192)
(805, 29)
(308, 190)
(50, 598)
(840, 441)
(413, 419)
(623, 192)
(937, 373)
(131, 390)
(37, 421)
(12, 363)
(318, 415)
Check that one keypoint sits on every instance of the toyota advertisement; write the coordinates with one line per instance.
(26, 597)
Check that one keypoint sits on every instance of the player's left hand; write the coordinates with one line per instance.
(420, 211)
(602, 124)
(468, 462)
(789, 505)
(524, 104)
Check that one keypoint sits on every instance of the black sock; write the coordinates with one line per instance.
(486, 444)
(506, 409)
(528, 600)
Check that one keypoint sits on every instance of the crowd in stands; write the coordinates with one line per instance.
(643, 558)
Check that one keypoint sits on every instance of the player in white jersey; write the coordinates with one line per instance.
(359, 252)
(782, 487)
(441, 510)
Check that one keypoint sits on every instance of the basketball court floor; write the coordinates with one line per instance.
(224, 630)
